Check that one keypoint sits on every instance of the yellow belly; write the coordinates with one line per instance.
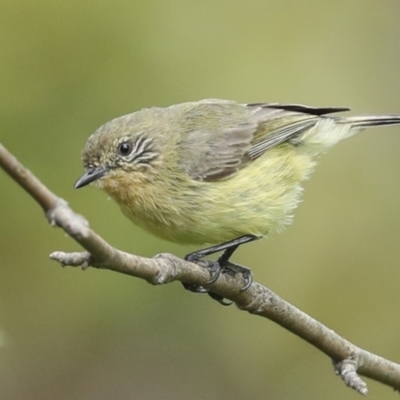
(261, 197)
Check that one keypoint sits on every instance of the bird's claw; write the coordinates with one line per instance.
(246, 273)
(219, 298)
(215, 271)
(195, 288)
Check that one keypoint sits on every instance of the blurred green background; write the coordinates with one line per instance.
(68, 67)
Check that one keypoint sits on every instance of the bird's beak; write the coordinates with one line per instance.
(90, 176)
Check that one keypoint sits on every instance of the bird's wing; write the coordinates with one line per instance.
(213, 155)
(278, 123)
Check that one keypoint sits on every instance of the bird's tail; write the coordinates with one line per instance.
(366, 121)
(330, 131)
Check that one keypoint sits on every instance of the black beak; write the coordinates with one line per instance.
(90, 176)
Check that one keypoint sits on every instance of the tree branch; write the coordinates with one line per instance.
(349, 360)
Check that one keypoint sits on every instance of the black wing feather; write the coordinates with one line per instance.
(301, 108)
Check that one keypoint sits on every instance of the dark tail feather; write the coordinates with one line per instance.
(365, 121)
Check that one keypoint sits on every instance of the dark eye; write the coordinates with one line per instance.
(125, 148)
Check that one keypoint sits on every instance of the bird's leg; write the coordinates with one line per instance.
(221, 265)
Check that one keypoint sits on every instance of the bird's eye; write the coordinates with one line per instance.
(125, 148)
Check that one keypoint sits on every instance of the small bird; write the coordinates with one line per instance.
(214, 171)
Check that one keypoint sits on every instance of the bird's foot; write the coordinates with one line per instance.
(215, 271)
(213, 267)
(222, 265)
(216, 268)
(232, 268)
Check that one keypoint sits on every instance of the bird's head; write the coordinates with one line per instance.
(120, 152)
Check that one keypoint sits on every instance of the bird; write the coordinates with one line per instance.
(214, 172)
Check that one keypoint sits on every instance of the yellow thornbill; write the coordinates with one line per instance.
(214, 171)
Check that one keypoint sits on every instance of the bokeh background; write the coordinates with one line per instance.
(66, 67)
